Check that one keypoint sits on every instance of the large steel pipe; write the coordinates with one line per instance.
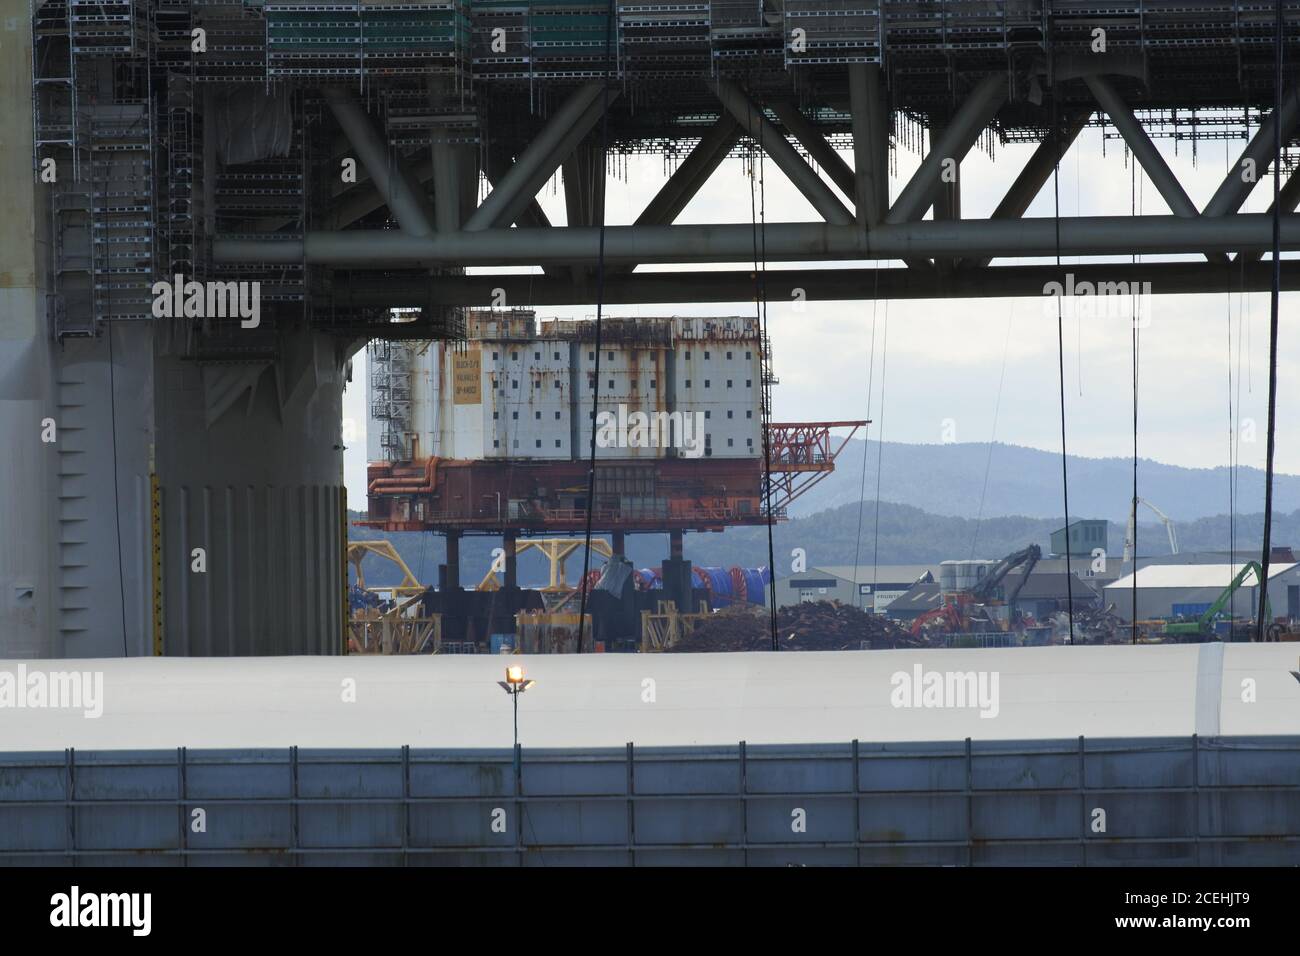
(813, 285)
(785, 242)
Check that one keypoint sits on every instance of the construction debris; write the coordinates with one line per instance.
(813, 626)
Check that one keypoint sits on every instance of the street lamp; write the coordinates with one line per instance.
(514, 685)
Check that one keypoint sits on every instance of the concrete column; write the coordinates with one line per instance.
(249, 461)
(677, 574)
(512, 575)
(453, 560)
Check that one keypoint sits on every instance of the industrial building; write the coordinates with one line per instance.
(1186, 590)
(1083, 538)
(521, 393)
(1100, 570)
(869, 587)
(498, 428)
(1042, 594)
(494, 435)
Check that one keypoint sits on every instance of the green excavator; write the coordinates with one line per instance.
(1202, 629)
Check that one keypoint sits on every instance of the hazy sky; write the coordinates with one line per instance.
(937, 374)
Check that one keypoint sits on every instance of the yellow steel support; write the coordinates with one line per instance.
(556, 552)
(356, 553)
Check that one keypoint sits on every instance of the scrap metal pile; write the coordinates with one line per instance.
(814, 626)
(1092, 625)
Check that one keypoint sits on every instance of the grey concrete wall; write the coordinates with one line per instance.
(27, 466)
(249, 457)
(104, 606)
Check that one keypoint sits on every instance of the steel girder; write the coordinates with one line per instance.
(785, 242)
(814, 285)
(873, 230)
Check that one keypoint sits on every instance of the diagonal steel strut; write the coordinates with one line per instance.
(958, 137)
(815, 144)
(1234, 189)
(1034, 175)
(399, 189)
(761, 130)
(540, 159)
(1148, 157)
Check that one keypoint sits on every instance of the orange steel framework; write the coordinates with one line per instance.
(802, 455)
(707, 494)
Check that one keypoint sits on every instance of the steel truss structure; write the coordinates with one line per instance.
(458, 114)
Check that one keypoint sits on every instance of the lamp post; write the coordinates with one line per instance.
(514, 685)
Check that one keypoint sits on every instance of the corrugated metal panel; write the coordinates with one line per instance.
(1171, 801)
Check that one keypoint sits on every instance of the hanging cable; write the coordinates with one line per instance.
(1232, 471)
(1133, 180)
(1274, 303)
(599, 210)
(1060, 361)
(997, 406)
(112, 415)
(1243, 329)
(1233, 412)
(866, 438)
(1065, 468)
(880, 448)
(758, 234)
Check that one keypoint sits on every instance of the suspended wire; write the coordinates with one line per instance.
(1232, 426)
(1232, 467)
(880, 451)
(1060, 361)
(117, 511)
(1136, 329)
(758, 233)
(1274, 303)
(112, 412)
(1243, 328)
(599, 210)
(993, 434)
(866, 438)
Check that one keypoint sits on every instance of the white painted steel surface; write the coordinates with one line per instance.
(699, 699)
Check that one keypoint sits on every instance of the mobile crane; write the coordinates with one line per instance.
(1131, 530)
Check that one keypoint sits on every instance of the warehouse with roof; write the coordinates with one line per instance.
(1186, 590)
(870, 587)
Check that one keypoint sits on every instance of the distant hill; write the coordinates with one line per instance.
(908, 535)
(948, 480)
